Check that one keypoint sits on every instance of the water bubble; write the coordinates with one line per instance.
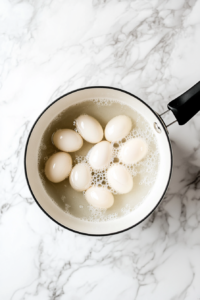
(116, 160)
(115, 145)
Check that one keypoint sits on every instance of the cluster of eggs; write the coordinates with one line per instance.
(59, 166)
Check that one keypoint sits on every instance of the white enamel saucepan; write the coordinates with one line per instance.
(183, 107)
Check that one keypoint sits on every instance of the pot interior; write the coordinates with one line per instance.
(43, 199)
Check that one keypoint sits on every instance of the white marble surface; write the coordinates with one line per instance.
(49, 47)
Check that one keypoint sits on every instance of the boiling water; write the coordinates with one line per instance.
(144, 172)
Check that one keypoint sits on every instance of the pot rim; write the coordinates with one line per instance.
(99, 87)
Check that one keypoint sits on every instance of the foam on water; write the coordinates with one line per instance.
(98, 214)
(145, 166)
(104, 102)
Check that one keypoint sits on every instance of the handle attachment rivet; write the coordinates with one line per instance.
(157, 128)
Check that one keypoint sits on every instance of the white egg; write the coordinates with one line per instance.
(80, 177)
(100, 155)
(120, 179)
(67, 140)
(89, 128)
(58, 167)
(117, 128)
(99, 197)
(133, 151)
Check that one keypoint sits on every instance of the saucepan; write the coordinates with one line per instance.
(184, 108)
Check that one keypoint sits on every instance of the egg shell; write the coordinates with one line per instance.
(99, 197)
(67, 140)
(118, 128)
(100, 155)
(80, 177)
(120, 179)
(89, 128)
(133, 151)
(58, 167)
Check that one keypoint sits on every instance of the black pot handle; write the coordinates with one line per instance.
(187, 105)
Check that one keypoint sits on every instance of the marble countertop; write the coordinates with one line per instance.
(48, 48)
